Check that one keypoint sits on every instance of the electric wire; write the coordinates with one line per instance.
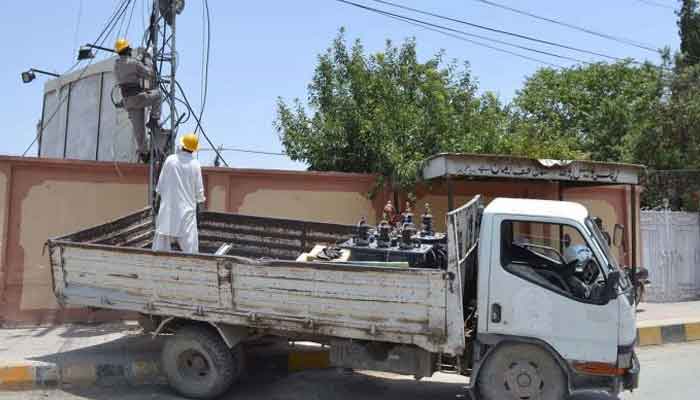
(77, 24)
(655, 4)
(131, 15)
(458, 37)
(117, 15)
(618, 39)
(110, 21)
(144, 11)
(491, 29)
(121, 25)
(182, 118)
(239, 150)
(442, 27)
(206, 50)
(199, 123)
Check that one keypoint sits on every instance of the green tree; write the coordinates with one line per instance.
(597, 111)
(675, 143)
(689, 31)
(386, 112)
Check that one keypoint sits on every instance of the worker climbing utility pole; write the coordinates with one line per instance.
(132, 72)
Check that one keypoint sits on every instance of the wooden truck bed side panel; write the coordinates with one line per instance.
(398, 305)
(400, 300)
(177, 280)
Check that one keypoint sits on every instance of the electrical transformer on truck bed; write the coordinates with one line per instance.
(510, 307)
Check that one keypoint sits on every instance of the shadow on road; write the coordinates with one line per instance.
(121, 351)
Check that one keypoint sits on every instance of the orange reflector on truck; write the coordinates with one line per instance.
(599, 368)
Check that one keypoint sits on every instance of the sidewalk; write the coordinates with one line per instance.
(660, 323)
(655, 314)
(117, 353)
(78, 355)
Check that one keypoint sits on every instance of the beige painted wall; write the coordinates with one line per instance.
(216, 199)
(612, 204)
(50, 198)
(323, 206)
(55, 197)
(606, 211)
(55, 208)
(4, 203)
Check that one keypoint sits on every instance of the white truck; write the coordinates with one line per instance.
(531, 305)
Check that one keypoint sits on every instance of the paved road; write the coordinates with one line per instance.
(669, 372)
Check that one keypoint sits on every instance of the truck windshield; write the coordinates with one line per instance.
(602, 243)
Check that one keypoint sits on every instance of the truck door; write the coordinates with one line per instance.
(547, 282)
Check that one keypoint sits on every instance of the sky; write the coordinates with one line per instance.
(265, 49)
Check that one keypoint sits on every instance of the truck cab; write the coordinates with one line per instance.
(556, 314)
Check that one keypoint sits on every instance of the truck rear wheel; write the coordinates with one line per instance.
(198, 364)
(521, 372)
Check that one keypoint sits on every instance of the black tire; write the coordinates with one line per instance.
(198, 364)
(521, 372)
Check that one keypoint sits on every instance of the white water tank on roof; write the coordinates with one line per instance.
(80, 121)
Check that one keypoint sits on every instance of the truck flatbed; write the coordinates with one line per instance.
(257, 283)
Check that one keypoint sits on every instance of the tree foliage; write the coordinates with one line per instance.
(605, 111)
(689, 31)
(386, 112)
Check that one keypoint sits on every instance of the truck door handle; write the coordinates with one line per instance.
(496, 313)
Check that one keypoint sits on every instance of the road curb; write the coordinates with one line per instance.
(19, 377)
(142, 372)
(672, 333)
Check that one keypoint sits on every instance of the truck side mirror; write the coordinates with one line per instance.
(618, 234)
(611, 285)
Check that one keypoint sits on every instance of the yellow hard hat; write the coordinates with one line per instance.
(190, 142)
(120, 45)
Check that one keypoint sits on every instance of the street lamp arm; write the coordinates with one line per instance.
(38, 71)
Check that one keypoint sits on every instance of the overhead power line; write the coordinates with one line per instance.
(655, 4)
(457, 31)
(77, 24)
(206, 50)
(239, 150)
(131, 15)
(199, 123)
(462, 38)
(495, 30)
(618, 39)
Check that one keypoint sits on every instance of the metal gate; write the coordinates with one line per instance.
(671, 252)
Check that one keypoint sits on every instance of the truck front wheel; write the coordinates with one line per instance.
(198, 364)
(521, 372)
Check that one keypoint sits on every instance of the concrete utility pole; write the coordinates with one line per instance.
(164, 56)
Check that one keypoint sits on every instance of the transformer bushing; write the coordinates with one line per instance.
(408, 215)
(384, 230)
(427, 220)
(362, 238)
(407, 233)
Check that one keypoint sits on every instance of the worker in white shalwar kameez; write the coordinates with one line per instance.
(180, 189)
